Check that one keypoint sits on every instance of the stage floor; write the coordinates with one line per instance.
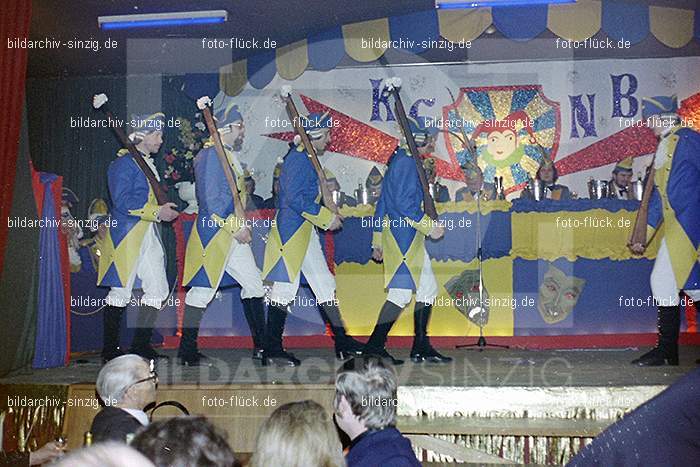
(492, 367)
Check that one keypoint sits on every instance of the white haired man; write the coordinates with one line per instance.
(365, 409)
(126, 385)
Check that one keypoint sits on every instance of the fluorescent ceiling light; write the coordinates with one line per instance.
(454, 4)
(155, 20)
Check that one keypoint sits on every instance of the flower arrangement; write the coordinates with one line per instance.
(179, 161)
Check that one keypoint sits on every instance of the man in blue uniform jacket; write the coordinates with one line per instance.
(293, 246)
(218, 249)
(675, 202)
(365, 409)
(132, 245)
(400, 227)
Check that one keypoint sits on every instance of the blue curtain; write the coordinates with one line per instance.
(51, 338)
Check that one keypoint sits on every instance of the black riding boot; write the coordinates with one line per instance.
(666, 350)
(141, 344)
(188, 352)
(422, 351)
(376, 344)
(274, 352)
(345, 346)
(255, 315)
(111, 322)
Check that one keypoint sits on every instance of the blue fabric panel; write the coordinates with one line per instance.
(601, 309)
(261, 68)
(415, 30)
(51, 333)
(520, 22)
(623, 20)
(326, 49)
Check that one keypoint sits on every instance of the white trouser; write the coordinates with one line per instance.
(150, 268)
(663, 282)
(240, 264)
(315, 269)
(427, 287)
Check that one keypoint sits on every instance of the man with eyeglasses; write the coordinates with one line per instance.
(126, 385)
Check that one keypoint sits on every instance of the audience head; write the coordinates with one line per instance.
(298, 434)
(127, 382)
(184, 442)
(109, 454)
(365, 396)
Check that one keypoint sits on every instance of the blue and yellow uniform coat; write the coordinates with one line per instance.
(134, 210)
(299, 211)
(212, 233)
(400, 224)
(676, 201)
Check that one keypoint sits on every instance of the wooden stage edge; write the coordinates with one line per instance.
(583, 341)
(439, 419)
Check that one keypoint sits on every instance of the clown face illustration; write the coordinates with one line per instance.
(558, 295)
(502, 144)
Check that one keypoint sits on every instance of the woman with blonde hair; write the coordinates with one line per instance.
(298, 434)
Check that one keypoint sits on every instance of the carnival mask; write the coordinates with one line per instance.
(558, 295)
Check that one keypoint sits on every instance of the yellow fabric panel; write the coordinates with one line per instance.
(292, 252)
(149, 212)
(292, 60)
(673, 27)
(394, 258)
(463, 25)
(573, 234)
(376, 239)
(681, 250)
(423, 226)
(212, 258)
(323, 219)
(373, 30)
(125, 254)
(577, 21)
(361, 315)
(231, 224)
(233, 77)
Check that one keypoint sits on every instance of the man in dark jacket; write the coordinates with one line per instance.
(365, 408)
(126, 385)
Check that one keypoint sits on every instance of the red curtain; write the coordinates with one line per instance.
(15, 16)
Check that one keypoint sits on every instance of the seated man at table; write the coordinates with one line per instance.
(438, 191)
(621, 180)
(547, 174)
(254, 202)
(476, 187)
(373, 185)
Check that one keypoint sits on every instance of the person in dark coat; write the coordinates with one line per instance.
(365, 409)
(126, 385)
(662, 431)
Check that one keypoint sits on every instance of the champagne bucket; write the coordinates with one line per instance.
(598, 189)
(362, 195)
(637, 190)
(536, 188)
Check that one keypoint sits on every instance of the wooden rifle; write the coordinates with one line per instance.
(293, 114)
(639, 231)
(99, 102)
(392, 87)
(204, 104)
